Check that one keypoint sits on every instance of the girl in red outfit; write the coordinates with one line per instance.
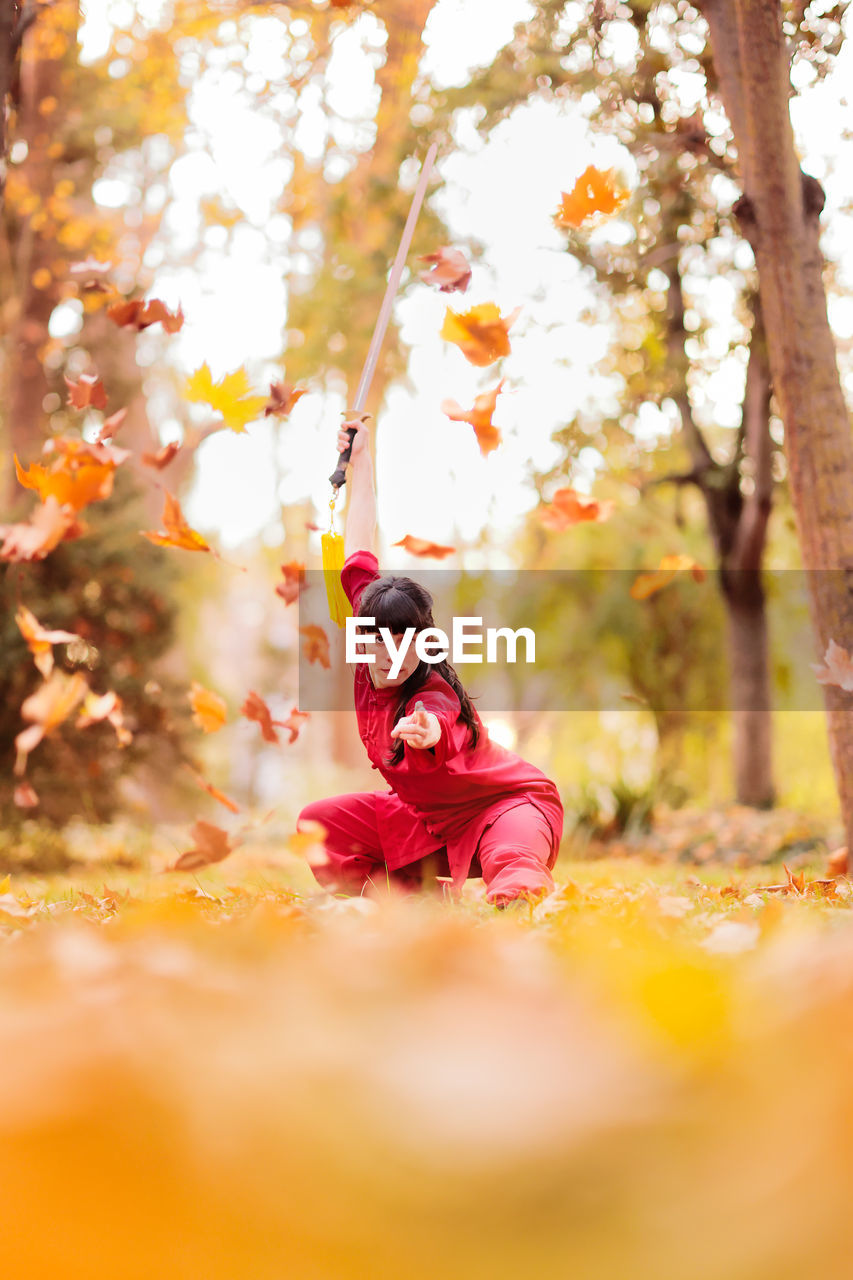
(455, 797)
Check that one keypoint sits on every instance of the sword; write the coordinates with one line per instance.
(338, 478)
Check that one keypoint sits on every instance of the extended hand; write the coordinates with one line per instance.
(361, 439)
(421, 729)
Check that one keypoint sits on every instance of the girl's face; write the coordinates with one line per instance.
(380, 670)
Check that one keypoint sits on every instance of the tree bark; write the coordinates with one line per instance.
(779, 214)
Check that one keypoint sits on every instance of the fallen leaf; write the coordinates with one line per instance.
(87, 392)
(480, 417)
(178, 532)
(76, 472)
(838, 862)
(568, 507)
(210, 712)
(837, 668)
(47, 708)
(596, 191)
(229, 396)
(217, 795)
(481, 333)
(450, 270)
(211, 845)
(39, 641)
(294, 581)
(294, 723)
(422, 547)
(283, 396)
(105, 706)
(316, 647)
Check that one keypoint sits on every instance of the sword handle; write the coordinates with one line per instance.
(338, 478)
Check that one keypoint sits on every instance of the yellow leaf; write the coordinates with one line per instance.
(229, 396)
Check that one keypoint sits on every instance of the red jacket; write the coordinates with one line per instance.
(447, 795)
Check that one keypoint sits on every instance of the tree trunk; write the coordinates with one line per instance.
(750, 690)
(779, 214)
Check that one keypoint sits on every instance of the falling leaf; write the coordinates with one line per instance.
(309, 842)
(110, 425)
(480, 417)
(568, 507)
(77, 472)
(138, 314)
(422, 547)
(450, 270)
(211, 845)
(49, 524)
(105, 706)
(283, 396)
(39, 641)
(162, 457)
(646, 584)
(254, 708)
(480, 333)
(316, 647)
(595, 192)
(837, 668)
(293, 723)
(217, 795)
(24, 796)
(47, 708)
(178, 532)
(210, 712)
(229, 396)
(88, 392)
(294, 581)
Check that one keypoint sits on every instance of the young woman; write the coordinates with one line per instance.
(457, 802)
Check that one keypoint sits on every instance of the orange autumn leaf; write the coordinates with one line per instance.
(309, 842)
(294, 723)
(217, 795)
(316, 646)
(294, 581)
(481, 333)
(837, 668)
(283, 396)
(110, 426)
(138, 314)
(76, 472)
(838, 861)
(105, 706)
(24, 796)
(162, 457)
(210, 712)
(45, 709)
(178, 532)
(646, 584)
(450, 270)
(596, 191)
(87, 392)
(568, 507)
(211, 845)
(422, 547)
(39, 641)
(254, 708)
(480, 417)
(49, 525)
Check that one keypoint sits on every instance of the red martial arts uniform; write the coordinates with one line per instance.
(483, 811)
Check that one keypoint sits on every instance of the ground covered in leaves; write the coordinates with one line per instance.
(227, 1074)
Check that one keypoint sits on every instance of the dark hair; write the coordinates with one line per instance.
(399, 603)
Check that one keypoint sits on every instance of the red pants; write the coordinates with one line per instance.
(513, 854)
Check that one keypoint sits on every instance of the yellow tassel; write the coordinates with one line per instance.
(332, 547)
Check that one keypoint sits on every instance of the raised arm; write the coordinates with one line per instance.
(360, 530)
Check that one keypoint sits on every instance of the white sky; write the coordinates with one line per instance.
(432, 480)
